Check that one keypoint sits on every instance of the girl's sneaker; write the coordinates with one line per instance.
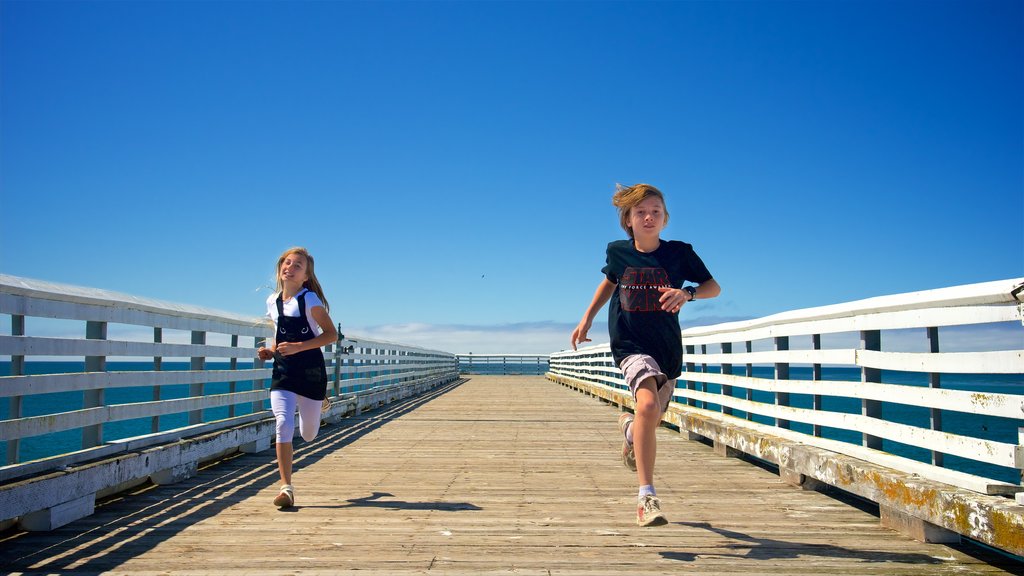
(648, 512)
(286, 498)
(628, 457)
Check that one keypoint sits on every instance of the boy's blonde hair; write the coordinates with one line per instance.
(311, 283)
(627, 197)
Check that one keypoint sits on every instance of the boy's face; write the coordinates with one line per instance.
(647, 218)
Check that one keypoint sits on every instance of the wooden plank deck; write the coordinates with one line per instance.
(495, 475)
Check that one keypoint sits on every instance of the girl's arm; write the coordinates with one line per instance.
(265, 352)
(604, 291)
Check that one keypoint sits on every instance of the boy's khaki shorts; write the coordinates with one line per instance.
(639, 367)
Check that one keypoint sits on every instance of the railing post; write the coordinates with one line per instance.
(256, 364)
(782, 373)
(198, 389)
(233, 385)
(727, 369)
(1020, 442)
(749, 347)
(158, 365)
(704, 378)
(338, 349)
(15, 402)
(871, 340)
(691, 367)
(93, 435)
(816, 377)
(934, 381)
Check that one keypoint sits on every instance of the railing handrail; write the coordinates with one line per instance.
(72, 294)
(502, 355)
(995, 292)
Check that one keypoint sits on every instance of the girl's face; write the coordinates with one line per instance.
(293, 269)
(647, 218)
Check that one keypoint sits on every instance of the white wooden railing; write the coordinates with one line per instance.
(105, 328)
(503, 364)
(737, 388)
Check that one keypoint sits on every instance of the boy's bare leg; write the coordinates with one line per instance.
(647, 415)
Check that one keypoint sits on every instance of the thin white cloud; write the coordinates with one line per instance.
(512, 338)
(518, 338)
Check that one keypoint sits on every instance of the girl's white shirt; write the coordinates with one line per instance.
(291, 308)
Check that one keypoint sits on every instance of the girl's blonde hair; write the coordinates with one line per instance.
(311, 283)
(627, 197)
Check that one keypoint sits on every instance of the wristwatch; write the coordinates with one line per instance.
(692, 292)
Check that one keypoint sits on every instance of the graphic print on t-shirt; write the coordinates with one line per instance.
(638, 289)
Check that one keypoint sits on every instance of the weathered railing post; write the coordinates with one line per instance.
(749, 347)
(198, 363)
(727, 369)
(816, 377)
(1020, 444)
(934, 381)
(93, 435)
(703, 369)
(158, 365)
(691, 367)
(233, 365)
(257, 363)
(14, 402)
(339, 348)
(871, 340)
(782, 373)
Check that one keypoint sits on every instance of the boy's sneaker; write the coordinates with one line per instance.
(628, 457)
(648, 512)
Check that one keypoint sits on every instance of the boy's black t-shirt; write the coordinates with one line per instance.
(636, 322)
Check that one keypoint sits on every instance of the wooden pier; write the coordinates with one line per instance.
(491, 475)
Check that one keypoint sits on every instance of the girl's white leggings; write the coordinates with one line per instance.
(283, 403)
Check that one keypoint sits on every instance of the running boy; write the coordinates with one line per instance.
(644, 279)
(302, 325)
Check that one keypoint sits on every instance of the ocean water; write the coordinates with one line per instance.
(987, 427)
(70, 440)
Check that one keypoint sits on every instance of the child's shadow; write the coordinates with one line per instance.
(769, 549)
(374, 500)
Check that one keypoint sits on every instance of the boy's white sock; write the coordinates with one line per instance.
(646, 490)
(629, 432)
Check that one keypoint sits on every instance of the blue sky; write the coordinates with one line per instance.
(451, 164)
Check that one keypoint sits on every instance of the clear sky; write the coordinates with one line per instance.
(450, 164)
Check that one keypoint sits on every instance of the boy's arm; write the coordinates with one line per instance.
(673, 299)
(708, 289)
(601, 295)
